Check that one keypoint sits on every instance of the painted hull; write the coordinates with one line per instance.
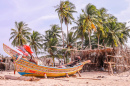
(26, 68)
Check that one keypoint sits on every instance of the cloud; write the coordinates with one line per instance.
(48, 17)
(43, 22)
(123, 16)
(43, 18)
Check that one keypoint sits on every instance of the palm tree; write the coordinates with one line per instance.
(55, 31)
(80, 31)
(36, 42)
(117, 33)
(20, 34)
(69, 9)
(70, 42)
(49, 41)
(89, 17)
(71, 39)
(123, 37)
(101, 20)
(61, 13)
(65, 10)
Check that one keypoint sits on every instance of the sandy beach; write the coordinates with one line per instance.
(87, 79)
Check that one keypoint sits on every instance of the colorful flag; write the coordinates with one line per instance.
(28, 49)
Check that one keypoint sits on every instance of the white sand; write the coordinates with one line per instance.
(107, 80)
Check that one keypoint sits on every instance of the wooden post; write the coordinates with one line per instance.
(45, 75)
(79, 74)
(110, 68)
(67, 75)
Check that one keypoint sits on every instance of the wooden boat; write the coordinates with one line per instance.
(26, 68)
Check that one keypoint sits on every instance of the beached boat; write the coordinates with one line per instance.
(27, 68)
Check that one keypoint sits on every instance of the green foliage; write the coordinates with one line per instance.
(94, 26)
(20, 34)
(35, 42)
(51, 39)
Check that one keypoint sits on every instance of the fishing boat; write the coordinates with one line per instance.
(27, 68)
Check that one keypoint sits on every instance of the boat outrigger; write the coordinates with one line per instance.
(27, 68)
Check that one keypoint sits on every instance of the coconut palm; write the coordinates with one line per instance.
(71, 39)
(123, 37)
(70, 42)
(69, 9)
(49, 41)
(20, 34)
(55, 31)
(89, 17)
(65, 10)
(61, 13)
(36, 42)
(117, 33)
(80, 31)
(51, 38)
(101, 20)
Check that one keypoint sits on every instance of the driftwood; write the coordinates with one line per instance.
(2, 78)
(89, 78)
(21, 78)
(61, 79)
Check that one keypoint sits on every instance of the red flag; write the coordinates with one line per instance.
(27, 48)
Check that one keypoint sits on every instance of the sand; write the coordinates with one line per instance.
(87, 79)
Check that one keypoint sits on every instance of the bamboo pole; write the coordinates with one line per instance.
(111, 70)
(45, 75)
(67, 75)
(79, 74)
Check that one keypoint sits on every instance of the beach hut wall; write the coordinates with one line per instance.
(6, 63)
(117, 56)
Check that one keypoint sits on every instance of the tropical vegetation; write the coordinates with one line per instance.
(20, 34)
(93, 27)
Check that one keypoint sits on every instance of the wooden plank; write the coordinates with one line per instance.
(115, 56)
(109, 62)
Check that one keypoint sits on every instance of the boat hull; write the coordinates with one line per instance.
(26, 68)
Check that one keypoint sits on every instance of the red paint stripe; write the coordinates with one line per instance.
(32, 71)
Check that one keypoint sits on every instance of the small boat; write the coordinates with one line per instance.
(27, 68)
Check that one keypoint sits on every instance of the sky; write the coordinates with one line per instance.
(40, 14)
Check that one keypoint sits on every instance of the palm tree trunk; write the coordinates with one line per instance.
(36, 52)
(67, 30)
(62, 35)
(82, 41)
(53, 62)
(21, 43)
(63, 39)
(89, 40)
(98, 41)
